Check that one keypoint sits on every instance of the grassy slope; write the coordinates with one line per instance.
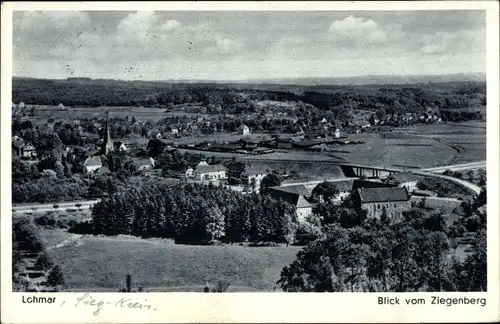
(53, 236)
(100, 263)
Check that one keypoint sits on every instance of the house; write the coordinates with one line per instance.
(403, 179)
(28, 151)
(294, 195)
(248, 142)
(119, 146)
(154, 133)
(174, 131)
(244, 130)
(60, 106)
(252, 176)
(102, 170)
(210, 172)
(92, 163)
(145, 164)
(21, 105)
(374, 120)
(344, 187)
(366, 183)
(337, 133)
(202, 162)
(17, 145)
(189, 172)
(391, 200)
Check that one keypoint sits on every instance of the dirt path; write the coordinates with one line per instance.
(68, 241)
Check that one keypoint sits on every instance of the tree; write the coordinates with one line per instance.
(270, 180)
(155, 147)
(325, 190)
(44, 262)
(330, 264)
(421, 203)
(55, 276)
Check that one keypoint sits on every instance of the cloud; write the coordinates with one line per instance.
(361, 29)
(226, 45)
(170, 24)
(352, 23)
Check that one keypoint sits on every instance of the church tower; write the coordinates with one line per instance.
(107, 145)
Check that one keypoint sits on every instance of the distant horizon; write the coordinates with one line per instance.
(266, 79)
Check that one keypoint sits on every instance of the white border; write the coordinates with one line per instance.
(257, 307)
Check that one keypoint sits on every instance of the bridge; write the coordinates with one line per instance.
(350, 171)
(358, 170)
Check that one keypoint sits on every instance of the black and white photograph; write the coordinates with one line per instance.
(249, 151)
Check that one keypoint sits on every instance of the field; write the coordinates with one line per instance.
(101, 264)
(52, 237)
(140, 113)
(467, 139)
(398, 151)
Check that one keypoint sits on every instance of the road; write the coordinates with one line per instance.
(457, 167)
(476, 189)
(309, 184)
(432, 172)
(41, 208)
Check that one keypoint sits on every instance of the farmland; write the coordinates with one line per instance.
(167, 266)
(467, 139)
(43, 113)
(398, 151)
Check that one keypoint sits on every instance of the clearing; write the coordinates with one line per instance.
(99, 263)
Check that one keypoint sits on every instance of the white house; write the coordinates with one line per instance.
(175, 131)
(294, 195)
(252, 176)
(244, 130)
(210, 172)
(145, 164)
(189, 172)
(60, 106)
(404, 180)
(21, 105)
(119, 146)
(337, 133)
(92, 163)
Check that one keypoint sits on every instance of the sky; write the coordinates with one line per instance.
(239, 45)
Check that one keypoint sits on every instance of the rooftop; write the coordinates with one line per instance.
(293, 189)
(210, 168)
(388, 194)
(293, 195)
(344, 185)
(93, 161)
(253, 170)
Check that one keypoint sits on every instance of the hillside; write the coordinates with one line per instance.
(244, 98)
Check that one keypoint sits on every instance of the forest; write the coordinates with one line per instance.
(240, 98)
(194, 214)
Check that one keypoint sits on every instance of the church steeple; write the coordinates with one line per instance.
(107, 145)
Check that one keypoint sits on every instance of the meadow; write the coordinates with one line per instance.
(158, 265)
(398, 151)
(467, 139)
(140, 113)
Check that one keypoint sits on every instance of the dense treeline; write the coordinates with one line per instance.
(400, 257)
(377, 255)
(194, 214)
(236, 99)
